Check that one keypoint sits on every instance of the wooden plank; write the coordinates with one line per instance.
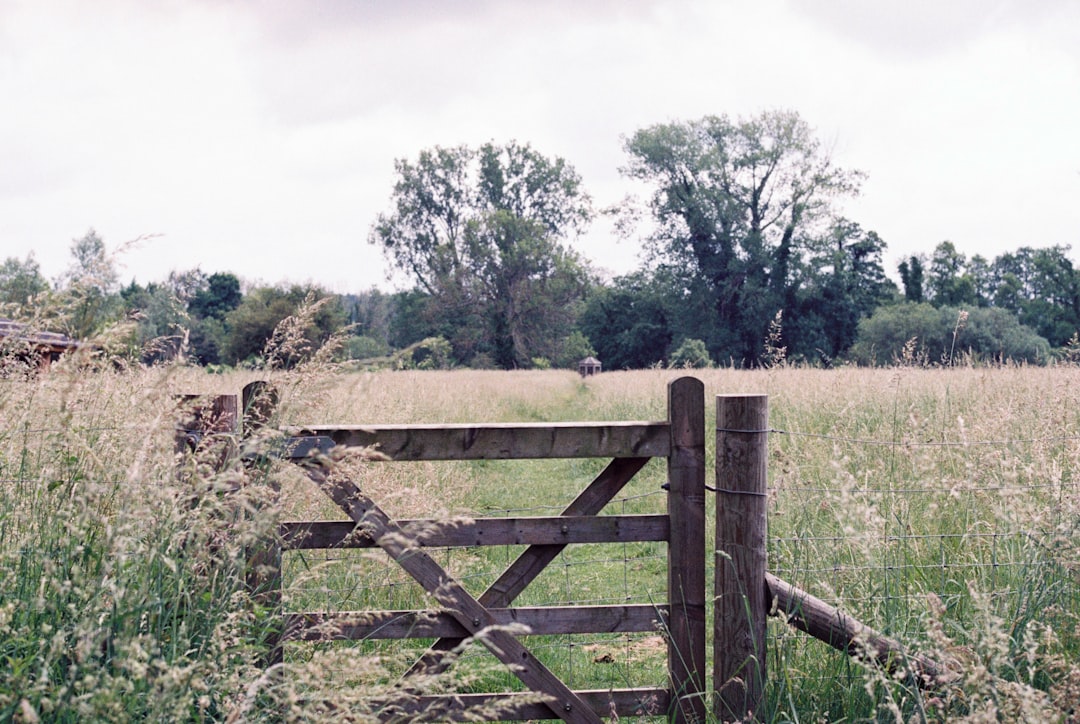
(611, 704)
(469, 612)
(532, 561)
(500, 441)
(686, 555)
(539, 530)
(742, 449)
(540, 620)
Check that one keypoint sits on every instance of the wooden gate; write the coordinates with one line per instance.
(630, 445)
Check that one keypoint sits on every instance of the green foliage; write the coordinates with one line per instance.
(929, 335)
(1042, 287)
(911, 275)
(844, 282)
(480, 231)
(89, 296)
(949, 282)
(575, 348)
(362, 347)
(219, 296)
(20, 282)
(628, 323)
(373, 314)
(252, 324)
(738, 207)
(161, 321)
(433, 353)
(691, 353)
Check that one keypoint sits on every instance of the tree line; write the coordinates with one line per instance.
(746, 262)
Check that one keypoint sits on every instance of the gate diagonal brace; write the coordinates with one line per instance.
(458, 602)
(534, 559)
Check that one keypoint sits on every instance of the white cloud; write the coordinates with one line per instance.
(259, 138)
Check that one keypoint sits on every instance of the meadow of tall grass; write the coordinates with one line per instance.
(939, 506)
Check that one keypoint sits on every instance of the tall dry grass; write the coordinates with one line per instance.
(939, 506)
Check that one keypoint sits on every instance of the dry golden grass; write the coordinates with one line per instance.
(939, 505)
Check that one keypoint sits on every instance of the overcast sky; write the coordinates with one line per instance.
(258, 137)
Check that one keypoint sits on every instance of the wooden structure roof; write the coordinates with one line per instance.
(24, 341)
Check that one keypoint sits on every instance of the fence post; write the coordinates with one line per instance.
(259, 401)
(207, 422)
(686, 550)
(740, 612)
(214, 423)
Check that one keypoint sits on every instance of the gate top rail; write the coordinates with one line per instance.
(491, 441)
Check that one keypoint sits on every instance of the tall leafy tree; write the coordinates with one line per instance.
(736, 203)
(90, 289)
(1042, 288)
(209, 303)
(21, 281)
(482, 232)
(160, 320)
(844, 282)
(949, 281)
(911, 276)
(629, 322)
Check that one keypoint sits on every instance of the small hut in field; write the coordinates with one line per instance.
(589, 366)
(33, 347)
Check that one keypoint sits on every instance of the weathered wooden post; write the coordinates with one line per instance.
(741, 602)
(686, 552)
(259, 400)
(214, 423)
(207, 422)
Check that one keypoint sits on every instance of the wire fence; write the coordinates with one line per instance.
(853, 523)
(881, 527)
(328, 580)
(976, 537)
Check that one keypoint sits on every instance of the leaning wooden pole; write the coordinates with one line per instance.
(846, 633)
(741, 609)
(686, 551)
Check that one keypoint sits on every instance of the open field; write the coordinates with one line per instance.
(939, 506)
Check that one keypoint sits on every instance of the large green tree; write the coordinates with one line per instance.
(949, 280)
(630, 321)
(842, 283)
(737, 204)
(1042, 288)
(90, 290)
(20, 282)
(216, 296)
(482, 232)
(251, 325)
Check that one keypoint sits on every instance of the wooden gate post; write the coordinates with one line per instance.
(260, 400)
(741, 603)
(218, 423)
(686, 551)
(205, 421)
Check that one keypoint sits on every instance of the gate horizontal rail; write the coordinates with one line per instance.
(512, 441)
(469, 533)
(435, 623)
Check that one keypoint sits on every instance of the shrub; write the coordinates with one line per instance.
(940, 336)
(691, 353)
